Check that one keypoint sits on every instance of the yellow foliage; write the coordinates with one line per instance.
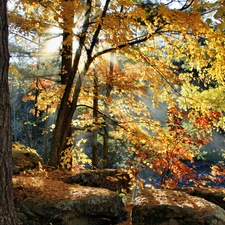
(147, 40)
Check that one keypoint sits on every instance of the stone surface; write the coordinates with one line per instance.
(213, 195)
(24, 158)
(86, 209)
(112, 179)
(167, 207)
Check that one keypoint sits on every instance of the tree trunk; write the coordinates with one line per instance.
(7, 211)
(35, 125)
(106, 128)
(26, 129)
(94, 140)
(67, 108)
(106, 146)
(46, 136)
(45, 158)
(65, 72)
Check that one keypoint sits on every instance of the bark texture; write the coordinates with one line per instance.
(7, 213)
(65, 152)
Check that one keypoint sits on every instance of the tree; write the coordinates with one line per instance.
(7, 211)
(65, 156)
(155, 35)
(88, 38)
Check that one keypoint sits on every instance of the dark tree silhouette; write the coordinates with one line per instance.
(7, 211)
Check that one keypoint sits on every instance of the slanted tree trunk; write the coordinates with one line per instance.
(7, 211)
(67, 108)
(66, 65)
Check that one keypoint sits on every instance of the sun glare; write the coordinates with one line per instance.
(52, 41)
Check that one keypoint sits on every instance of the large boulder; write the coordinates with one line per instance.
(24, 158)
(43, 201)
(167, 207)
(112, 179)
(92, 210)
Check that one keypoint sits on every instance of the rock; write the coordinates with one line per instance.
(213, 195)
(167, 207)
(35, 213)
(110, 207)
(24, 158)
(94, 210)
(112, 179)
(89, 221)
(66, 204)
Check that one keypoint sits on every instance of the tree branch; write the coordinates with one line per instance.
(159, 72)
(186, 5)
(96, 34)
(131, 43)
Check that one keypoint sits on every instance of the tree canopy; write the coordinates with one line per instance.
(122, 61)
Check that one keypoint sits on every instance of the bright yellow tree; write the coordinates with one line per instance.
(152, 36)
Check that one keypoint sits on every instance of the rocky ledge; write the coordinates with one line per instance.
(112, 179)
(41, 201)
(167, 207)
(90, 198)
